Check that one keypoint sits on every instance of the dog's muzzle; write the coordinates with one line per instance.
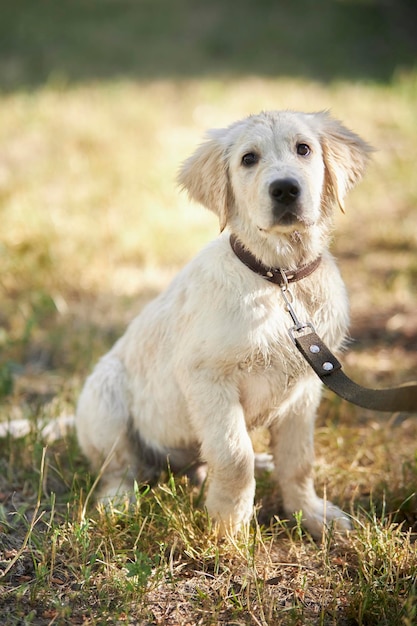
(285, 194)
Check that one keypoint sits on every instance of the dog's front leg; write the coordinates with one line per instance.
(218, 419)
(293, 447)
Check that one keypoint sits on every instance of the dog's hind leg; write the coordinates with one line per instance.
(102, 423)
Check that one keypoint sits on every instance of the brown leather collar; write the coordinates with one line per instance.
(274, 275)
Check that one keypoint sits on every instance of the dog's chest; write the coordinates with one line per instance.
(272, 365)
(266, 378)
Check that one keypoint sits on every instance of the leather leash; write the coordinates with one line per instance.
(329, 369)
(318, 355)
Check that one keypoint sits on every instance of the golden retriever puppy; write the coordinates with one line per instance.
(211, 357)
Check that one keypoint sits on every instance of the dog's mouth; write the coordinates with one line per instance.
(287, 218)
(288, 221)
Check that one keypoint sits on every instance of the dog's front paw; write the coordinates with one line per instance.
(229, 510)
(323, 514)
(115, 493)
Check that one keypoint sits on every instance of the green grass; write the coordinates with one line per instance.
(100, 102)
(159, 560)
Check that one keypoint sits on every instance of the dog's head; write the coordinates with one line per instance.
(279, 170)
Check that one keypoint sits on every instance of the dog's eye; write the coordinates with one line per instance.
(249, 159)
(303, 149)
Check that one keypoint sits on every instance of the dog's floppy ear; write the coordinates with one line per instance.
(205, 176)
(345, 156)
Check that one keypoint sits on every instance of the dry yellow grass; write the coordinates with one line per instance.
(90, 172)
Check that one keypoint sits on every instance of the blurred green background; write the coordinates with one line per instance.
(77, 41)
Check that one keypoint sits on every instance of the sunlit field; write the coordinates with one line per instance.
(93, 225)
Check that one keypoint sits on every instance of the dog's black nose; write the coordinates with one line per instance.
(284, 191)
